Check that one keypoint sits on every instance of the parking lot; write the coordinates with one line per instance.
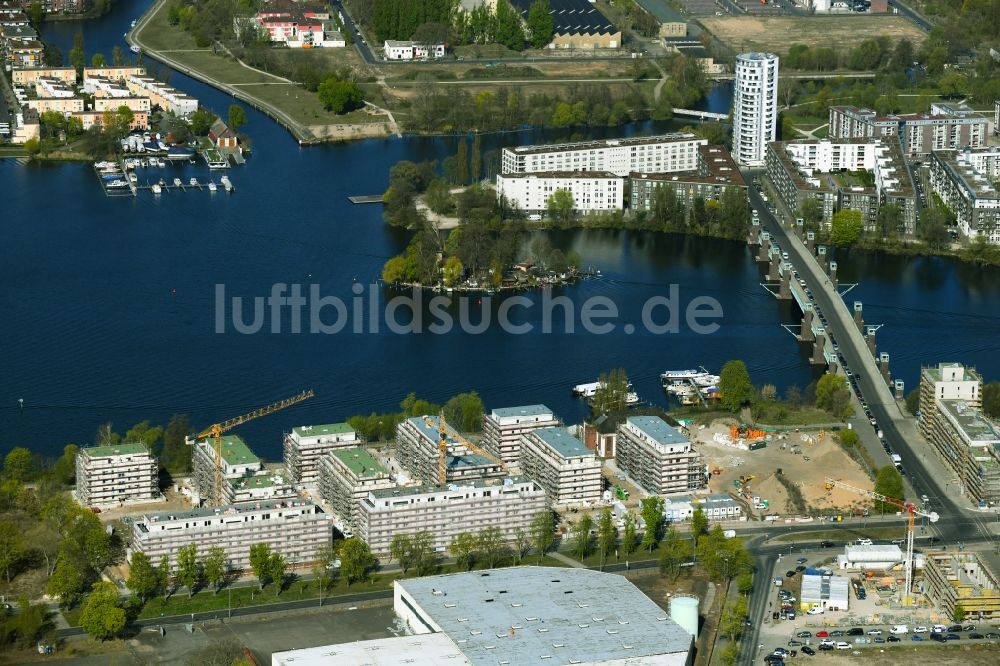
(702, 7)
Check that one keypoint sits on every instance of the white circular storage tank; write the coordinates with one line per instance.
(684, 611)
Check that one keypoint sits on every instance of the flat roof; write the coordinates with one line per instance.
(526, 410)
(234, 450)
(526, 615)
(658, 429)
(562, 442)
(571, 16)
(259, 481)
(244, 507)
(127, 449)
(661, 11)
(433, 650)
(716, 167)
(325, 429)
(672, 137)
(561, 174)
(428, 489)
(970, 419)
(359, 461)
(973, 181)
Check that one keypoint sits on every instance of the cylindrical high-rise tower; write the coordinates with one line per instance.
(755, 107)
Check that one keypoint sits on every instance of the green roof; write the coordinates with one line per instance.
(327, 429)
(115, 450)
(258, 481)
(235, 451)
(359, 461)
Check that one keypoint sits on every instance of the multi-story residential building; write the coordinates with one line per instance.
(646, 154)
(502, 429)
(162, 95)
(827, 171)
(306, 445)
(113, 72)
(562, 464)
(657, 457)
(102, 86)
(296, 530)
(716, 173)
(299, 25)
(46, 87)
(25, 55)
(467, 506)
(417, 446)
(27, 76)
(947, 126)
(63, 105)
(238, 462)
(755, 106)
(116, 474)
(951, 420)
(264, 487)
(962, 579)
(964, 181)
(135, 104)
(592, 191)
(140, 119)
(346, 477)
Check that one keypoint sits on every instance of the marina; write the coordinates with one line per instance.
(691, 387)
(589, 390)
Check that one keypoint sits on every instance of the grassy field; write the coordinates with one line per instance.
(839, 535)
(777, 33)
(158, 34)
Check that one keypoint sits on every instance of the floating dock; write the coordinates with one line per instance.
(366, 199)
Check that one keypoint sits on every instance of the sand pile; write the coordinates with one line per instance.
(770, 488)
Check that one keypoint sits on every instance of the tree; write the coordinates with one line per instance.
(66, 582)
(12, 548)
(582, 539)
(355, 560)
(475, 161)
(36, 13)
(848, 438)
(731, 621)
(540, 23)
(260, 561)
(145, 434)
(630, 537)
(339, 96)
(462, 161)
(958, 615)
(463, 549)
(465, 411)
(560, 206)
(77, 56)
(611, 396)
(399, 550)
(652, 515)
(163, 574)
(237, 117)
(991, 399)
(889, 482)
(189, 568)
(509, 30)
(607, 534)
(17, 465)
(453, 271)
(492, 546)
(276, 568)
(216, 567)
(543, 532)
(117, 56)
(28, 621)
(675, 552)
(522, 544)
(834, 396)
(932, 227)
(201, 121)
(845, 228)
(811, 212)
(913, 401)
(422, 555)
(64, 469)
(102, 617)
(143, 579)
(97, 60)
(735, 386)
(699, 523)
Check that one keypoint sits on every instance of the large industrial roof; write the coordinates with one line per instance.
(563, 443)
(429, 649)
(528, 615)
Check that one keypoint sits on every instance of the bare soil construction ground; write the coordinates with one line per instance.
(821, 456)
(777, 33)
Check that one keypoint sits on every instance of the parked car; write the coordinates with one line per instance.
(969, 627)
(800, 568)
(827, 641)
(802, 560)
(775, 615)
(920, 629)
(789, 574)
(815, 610)
(955, 627)
(940, 629)
(826, 544)
(993, 636)
(838, 632)
(940, 638)
(794, 643)
(953, 637)
(855, 631)
(892, 639)
(804, 634)
(916, 637)
(826, 647)
(976, 636)
(808, 650)
(823, 633)
(874, 632)
(843, 646)
(780, 652)
(878, 639)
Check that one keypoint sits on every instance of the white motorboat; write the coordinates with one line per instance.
(212, 187)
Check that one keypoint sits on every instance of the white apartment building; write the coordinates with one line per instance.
(163, 96)
(101, 86)
(116, 474)
(964, 181)
(592, 191)
(296, 530)
(755, 107)
(503, 427)
(346, 477)
(657, 457)
(950, 381)
(53, 88)
(644, 154)
(509, 506)
(563, 465)
(262, 487)
(306, 445)
(405, 50)
(238, 462)
(417, 447)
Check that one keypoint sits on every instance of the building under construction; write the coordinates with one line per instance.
(961, 578)
(657, 457)
(502, 429)
(346, 477)
(417, 449)
(563, 465)
(238, 462)
(263, 487)
(116, 474)
(468, 506)
(306, 445)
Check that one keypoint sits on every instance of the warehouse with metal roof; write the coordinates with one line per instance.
(578, 24)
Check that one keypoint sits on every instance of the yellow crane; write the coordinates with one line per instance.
(443, 449)
(911, 511)
(216, 429)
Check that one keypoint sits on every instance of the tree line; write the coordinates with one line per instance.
(463, 411)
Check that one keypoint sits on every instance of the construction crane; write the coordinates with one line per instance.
(443, 449)
(216, 429)
(911, 511)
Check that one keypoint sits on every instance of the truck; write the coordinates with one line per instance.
(896, 459)
(778, 581)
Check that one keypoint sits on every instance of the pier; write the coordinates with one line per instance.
(700, 115)
(366, 199)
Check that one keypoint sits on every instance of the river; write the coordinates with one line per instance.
(110, 304)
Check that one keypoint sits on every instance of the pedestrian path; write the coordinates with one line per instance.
(555, 554)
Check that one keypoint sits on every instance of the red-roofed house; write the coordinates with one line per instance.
(222, 136)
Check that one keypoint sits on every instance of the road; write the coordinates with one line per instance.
(912, 15)
(958, 521)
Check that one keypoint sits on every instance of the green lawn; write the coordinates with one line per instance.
(841, 535)
(305, 107)
(158, 34)
(222, 68)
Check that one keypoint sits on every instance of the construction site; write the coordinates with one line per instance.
(779, 473)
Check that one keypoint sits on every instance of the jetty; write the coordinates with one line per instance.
(366, 199)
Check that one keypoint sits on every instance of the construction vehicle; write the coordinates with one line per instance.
(716, 471)
(621, 493)
(912, 513)
(215, 431)
(443, 449)
(745, 432)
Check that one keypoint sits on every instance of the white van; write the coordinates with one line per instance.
(899, 629)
